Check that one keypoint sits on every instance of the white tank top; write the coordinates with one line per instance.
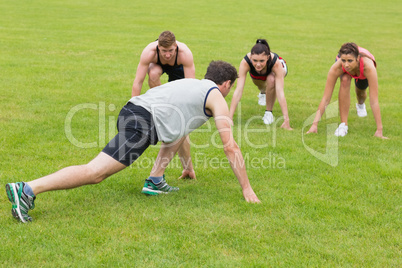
(177, 107)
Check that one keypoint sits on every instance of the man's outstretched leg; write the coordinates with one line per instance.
(23, 194)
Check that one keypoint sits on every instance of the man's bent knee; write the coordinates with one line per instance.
(154, 74)
(97, 175)
(102, 167)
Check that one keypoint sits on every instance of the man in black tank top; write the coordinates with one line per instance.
(165, 55)
(174, 72)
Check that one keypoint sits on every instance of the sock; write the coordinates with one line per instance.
(156, 180)
(28, 190)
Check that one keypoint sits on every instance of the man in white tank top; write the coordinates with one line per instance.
(167, 113)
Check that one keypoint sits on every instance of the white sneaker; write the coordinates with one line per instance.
(261, 99)
(361, 110)
(268, 118)
(342, 130)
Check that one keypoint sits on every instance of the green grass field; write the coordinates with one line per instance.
(58, 55)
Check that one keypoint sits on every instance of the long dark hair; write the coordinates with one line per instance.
(261, 46)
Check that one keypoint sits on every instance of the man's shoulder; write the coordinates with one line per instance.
(181, 44)
(183, 49)
(208, 83)
(151, 47)
(195, 83)
(185, 57)
(149, 52)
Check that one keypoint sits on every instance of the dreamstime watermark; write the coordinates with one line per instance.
(244, 132)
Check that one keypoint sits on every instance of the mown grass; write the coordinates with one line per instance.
(56, 55)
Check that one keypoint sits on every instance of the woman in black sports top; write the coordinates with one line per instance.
(267, 71)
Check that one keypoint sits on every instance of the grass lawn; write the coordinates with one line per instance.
(325, 202)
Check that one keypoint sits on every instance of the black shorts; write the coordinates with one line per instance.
(174, 72)
(361, 83)
(136, 133)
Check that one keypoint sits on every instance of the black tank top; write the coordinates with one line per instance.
(255, 75)
(167, 67)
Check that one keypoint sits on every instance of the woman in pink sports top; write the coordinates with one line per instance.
(358, 63)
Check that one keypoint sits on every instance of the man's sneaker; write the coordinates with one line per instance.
(21, 202)
(361, 110)
(261, 99)
(268, 118)
(342, 130)
(151, 188)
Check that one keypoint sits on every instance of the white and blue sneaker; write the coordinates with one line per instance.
(21, 202)
(151, 188)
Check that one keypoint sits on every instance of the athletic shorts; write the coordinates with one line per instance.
(136, 133)
(174, 72)
(361, 83)
(284, 65)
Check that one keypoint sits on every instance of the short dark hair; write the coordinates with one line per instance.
(221, 71)
(349, 48)
(261, 46)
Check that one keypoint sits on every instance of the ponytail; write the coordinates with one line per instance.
(261, 46)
